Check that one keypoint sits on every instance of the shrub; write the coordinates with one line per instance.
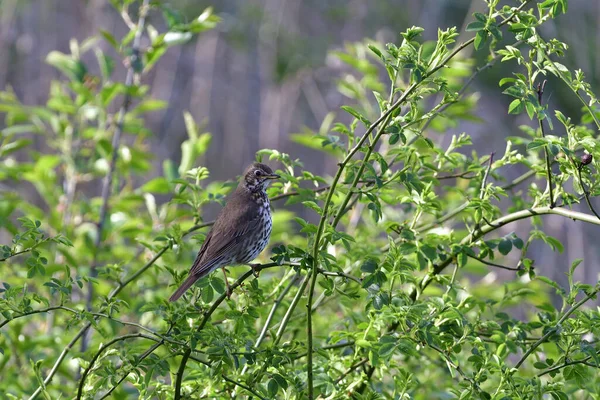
(375, 293)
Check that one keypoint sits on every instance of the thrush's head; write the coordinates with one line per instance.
(257, 177)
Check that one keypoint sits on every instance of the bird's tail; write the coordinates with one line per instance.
(191, 279)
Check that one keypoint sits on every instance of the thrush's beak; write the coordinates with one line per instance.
(273, 176)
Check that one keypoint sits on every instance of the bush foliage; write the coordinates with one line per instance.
(385, 288)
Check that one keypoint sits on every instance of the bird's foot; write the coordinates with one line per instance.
(255, 270)
(228, 291)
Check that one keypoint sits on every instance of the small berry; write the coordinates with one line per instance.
(586, 159)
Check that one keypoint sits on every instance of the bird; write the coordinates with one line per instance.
(241, 231)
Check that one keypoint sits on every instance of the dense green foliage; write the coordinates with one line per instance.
(388, 288)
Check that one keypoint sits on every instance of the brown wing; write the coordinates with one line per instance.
(223, 241)
(237, 219)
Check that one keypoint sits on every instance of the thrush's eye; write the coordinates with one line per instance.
(257, 172)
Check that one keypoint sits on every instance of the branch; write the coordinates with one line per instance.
(108, 179)
(341, 275)
(354, 366)
(523, 214)
(456, 367)
(27, 250)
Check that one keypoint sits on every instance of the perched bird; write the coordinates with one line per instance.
(241, 231)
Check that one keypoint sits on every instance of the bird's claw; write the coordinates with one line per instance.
(255, 270)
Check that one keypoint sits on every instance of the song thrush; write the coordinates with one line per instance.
(241, 231)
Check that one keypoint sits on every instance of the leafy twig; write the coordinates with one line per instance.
(102, 350)
(456, 367)
(586, 194)
(566, 315)
(350, 369)
(573, 362)
(518, 215)
(248, 389)
(27, 250)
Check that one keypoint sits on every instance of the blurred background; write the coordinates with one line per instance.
(266, 72)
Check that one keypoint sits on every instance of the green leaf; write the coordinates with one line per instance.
(480, 39)
(149, 105)
(369, 266)
(516, 107)
(356, 114)
(313, 206)
(74, 69)
(505, 246)
(475, 26)
(272, 388)
(110, 39)
(536, 143)
(394, 138)
(157, 185)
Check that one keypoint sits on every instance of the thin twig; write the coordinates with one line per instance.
(468, 82)
(540, 93)
(463, 175)
(491, 264)
(485, 176)
(350, 369)
(340, 274)
(456, 367)
(243, 386)
(586, 194)
(27, 250)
